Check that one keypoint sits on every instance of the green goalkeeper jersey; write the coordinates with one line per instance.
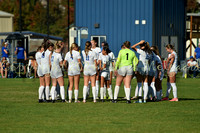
(126, 57)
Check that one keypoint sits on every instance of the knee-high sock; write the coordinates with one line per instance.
(145, 88)
(116, 92)
(70, 94)
(76, 94)
(104, 91)
(128, 91)
(110, 93)
(168, 89)
(53, 88)
(136, 91)
(94, 92)
(154, 89)
(47, 92)
(139, 85)
(62, 92)
(97, 88)
(174, 89)
(41, 91)
(88, 88)
(85, 88)
(101, 92)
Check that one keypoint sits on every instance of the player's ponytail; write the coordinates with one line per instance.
(87, 47)
(73, 45)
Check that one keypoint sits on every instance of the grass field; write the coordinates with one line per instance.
(21, 112)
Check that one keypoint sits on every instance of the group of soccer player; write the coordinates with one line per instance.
(98, 64)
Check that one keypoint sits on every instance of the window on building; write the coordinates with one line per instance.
(99, 39)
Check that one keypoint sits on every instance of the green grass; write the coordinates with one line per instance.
(21, 112)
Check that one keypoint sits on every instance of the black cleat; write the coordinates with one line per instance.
(102, 100)
(40, 101)
(53, 101)
(114, 101)
(128, 101)
(63, 101)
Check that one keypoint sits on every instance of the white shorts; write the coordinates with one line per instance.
(125, 70)
(45, 69)
(72, 71)
(39, 72)
(56, 73)
(106, 75)
(89, 70)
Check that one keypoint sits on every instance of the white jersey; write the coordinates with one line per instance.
(105, 59)
(112, 56)
(45, 61)
(56, 71)
(174, 65)
(97, 50)
(73, 64)
(38, 57)
(89, 64)
(159, 61)
(143, 63)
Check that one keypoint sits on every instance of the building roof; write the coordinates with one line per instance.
(5, 14)
(32, 34)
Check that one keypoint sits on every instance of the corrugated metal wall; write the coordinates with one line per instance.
(116, 19)
(170, 12)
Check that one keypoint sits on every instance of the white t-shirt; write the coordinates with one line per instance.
(97, 50)
(55, 61)
(105, 59)
(192, 63)
(90, 58)
(73, 59)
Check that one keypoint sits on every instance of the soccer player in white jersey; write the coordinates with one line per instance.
(97, 50)
(56, 63)
(48, 47)
(38, 56)
(90, 70)
(171, 72)
(104, 65)
(159, 73)
(74, 68)
(143, 68)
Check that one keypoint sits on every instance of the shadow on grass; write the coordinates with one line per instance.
(186, 99)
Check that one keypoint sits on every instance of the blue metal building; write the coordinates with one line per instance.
(157, 21)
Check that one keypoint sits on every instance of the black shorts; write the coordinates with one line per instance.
(21, 61)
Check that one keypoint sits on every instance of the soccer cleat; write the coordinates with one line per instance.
(53, 101)
(128, 101)
(144, 101)
(139, 101)
(77, 101)
(63, 101)
(114, 101)
(95, 101)
(102, 100)
(174, 100)
(40, 101)
(97, 97)
(84, 101)
(70, 101)
(165, 99)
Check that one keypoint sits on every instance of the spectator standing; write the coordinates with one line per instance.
(5, 51)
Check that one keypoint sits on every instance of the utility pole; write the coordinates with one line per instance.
(47, 19)
(68, 22)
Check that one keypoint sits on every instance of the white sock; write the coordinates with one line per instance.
(94, 92)
(76, 94)
(53, 88)
(116, 92)
(97, 88)
(125, 90)
(110, 93)
(88, 88)
(47, 92)
(85, 88)
(174, 89)
(62, 92)
(145, 88)
(139, 85)
(41, 91)
(168, 89)
(128, 91)
(70, 94)
(154, 89)
(104, 91)
(136, 91)
(101, 92)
